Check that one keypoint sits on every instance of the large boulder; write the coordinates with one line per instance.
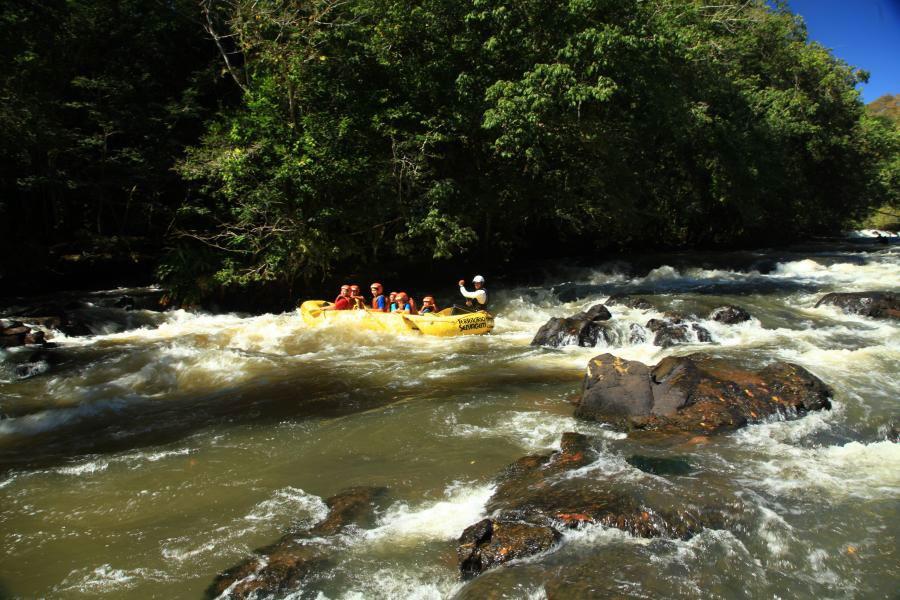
(284, 565)
(539, 495)
(729, 314)
(884, 305)
(695, 393)
(583, 329)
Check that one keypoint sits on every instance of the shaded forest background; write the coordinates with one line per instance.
(237, 145)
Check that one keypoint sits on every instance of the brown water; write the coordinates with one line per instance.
(146, 461)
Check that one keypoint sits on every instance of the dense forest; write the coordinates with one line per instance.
(247, 143)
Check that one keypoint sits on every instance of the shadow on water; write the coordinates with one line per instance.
(59, 435)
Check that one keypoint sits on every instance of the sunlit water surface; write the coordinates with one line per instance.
(150, 459)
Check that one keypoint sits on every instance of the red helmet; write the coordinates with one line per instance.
(402, 297)
(376, 287)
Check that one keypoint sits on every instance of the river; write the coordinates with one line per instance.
(147, 459)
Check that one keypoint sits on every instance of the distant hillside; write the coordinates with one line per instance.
(886, 106)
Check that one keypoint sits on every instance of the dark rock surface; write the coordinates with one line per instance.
(284, 565)
(492, 542)
(571, 291)
(674, 330)
(660, 465)
(729, 314)
(695, 393)
(15, 333)
(583, 329)
(539, 495)
(629, 301)
(883, 305)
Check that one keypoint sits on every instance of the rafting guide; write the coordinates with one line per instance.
(478, 298)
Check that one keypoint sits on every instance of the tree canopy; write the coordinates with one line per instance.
(364, 131)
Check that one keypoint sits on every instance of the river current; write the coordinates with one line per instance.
(153, 456)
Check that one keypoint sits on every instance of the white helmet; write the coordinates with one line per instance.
(478, 279)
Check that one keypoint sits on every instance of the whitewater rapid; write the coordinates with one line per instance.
(149, 458)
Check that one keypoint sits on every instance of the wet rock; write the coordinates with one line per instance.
(674, 331)
(583, 329)
(571, 291)
(37, 363)
(883, 305)
(659, 465)
(629, 301)
(539, 495)
(729, 314)
(125, 302)
(351, 507)
(695, 393)
(492, 542)
(285, 564)
(637, 334)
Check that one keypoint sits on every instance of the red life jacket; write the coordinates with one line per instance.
(375, 303)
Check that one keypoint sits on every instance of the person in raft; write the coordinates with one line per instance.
(356, 298)
(428, 305)
(342, 302)
(401, 304)
(379, 302)
(478, 299)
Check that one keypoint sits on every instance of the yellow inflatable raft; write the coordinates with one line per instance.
(441, 324)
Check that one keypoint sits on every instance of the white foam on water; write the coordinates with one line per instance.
(400, 584)
(88, 468)
(855, 469)
(775, 531)
(286, 505)
(531, 430)
(108, 580)
(871, 233)
(290, 501)
(593, 535)
(440, 520)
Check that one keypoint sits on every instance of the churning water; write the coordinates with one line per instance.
(142, 462)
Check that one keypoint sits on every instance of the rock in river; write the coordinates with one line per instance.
(674, 330)
(729, 314)
(629, 301)
(695, 393)
(284, 565)
(582, 329)
(539, 495)
(885, 305)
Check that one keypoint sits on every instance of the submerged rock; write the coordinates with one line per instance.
(284, 565)
(695, 393)
(539, 495)
(659, 465)
(582, 329)
(630, 301)
(729, 314)
(883, 305)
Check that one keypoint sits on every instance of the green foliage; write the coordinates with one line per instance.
(101, 98)
(377, 130)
